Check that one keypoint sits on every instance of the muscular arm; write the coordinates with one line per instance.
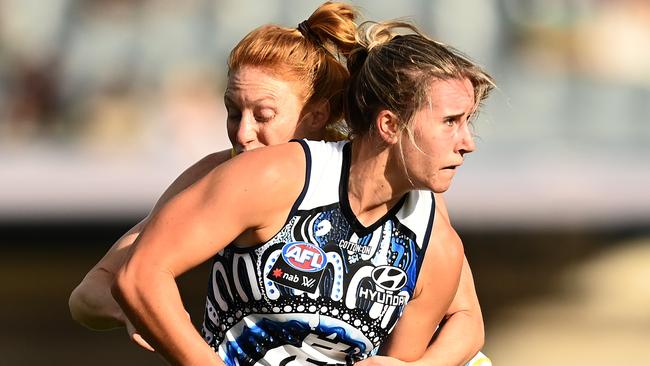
(462, 335)
(194, 225)
(435, 289)
(91, 303)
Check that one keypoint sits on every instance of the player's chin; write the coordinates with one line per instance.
(440, 185)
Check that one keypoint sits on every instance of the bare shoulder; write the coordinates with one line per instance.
(445, 241)
(249, 196)
(192, 174)
(201, 168)
(211, 161)
(270, 162)
(261, 183)
(272, 159)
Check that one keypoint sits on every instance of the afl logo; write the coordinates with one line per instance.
(304, 256)
(389, 278)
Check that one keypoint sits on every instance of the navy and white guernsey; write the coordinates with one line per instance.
(325, 290)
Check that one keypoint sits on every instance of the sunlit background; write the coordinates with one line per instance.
(104, 102)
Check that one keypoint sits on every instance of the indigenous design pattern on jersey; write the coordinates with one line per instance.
(325, 289)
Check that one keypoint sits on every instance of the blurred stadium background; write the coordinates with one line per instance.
(104, 102)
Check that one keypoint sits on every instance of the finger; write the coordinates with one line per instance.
(137, 338)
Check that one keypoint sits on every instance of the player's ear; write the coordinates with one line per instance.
(387, 125)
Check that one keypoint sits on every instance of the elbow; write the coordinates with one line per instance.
(92, 306)
(88, 311)
(77, 303)
(84, 308)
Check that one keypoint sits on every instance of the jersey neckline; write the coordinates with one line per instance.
(346, 209)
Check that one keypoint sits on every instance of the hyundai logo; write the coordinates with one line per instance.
(389, 278)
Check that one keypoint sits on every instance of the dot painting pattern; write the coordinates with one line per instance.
(322, 281)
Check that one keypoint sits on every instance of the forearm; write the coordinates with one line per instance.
(463, 334)
(153, 304)
(454, 344)
(91, 302)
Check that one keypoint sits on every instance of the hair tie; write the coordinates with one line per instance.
(306, 32)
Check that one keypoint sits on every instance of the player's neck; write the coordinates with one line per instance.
(372, 188)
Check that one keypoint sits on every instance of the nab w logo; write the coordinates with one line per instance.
(389, 278)
(304, 256)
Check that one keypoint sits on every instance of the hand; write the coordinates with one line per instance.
(381, 361)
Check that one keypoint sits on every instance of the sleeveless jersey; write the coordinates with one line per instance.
(325, 290)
